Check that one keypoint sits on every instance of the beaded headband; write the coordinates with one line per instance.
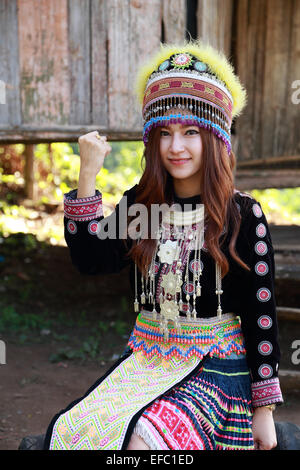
(195, 78)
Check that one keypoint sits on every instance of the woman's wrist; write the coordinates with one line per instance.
(86, 184)
(265, 408)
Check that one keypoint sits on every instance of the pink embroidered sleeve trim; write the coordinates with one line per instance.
(83, 209)
(266, 392)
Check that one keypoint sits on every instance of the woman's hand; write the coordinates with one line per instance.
(93, 149)
(263, 429)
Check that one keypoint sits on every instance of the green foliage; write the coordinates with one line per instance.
(92, 346)
(11, 320)
(121, 169)
(56, 173)
(280, 205)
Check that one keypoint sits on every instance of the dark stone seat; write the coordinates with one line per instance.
(288, 438)
(32, 443)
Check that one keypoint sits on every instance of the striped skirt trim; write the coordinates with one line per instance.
(210, 411)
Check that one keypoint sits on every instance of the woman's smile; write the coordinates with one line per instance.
(181, 154)
(179, 161)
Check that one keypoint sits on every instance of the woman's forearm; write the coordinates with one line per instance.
(93, 150)
(86, 184)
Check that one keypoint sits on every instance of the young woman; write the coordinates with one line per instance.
(201, 368)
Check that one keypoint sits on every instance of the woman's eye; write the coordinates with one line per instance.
(188, 132)
(192, 132)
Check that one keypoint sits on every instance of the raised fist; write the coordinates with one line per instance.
(93, 149)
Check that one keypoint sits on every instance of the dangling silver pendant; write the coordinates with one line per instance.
(154, 314)
(198, 290)
(169, 312)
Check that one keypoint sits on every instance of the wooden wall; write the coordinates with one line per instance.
(69, 67)
(268, 60)
(267, 57)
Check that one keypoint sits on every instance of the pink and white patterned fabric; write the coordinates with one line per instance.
(266, 392)
(83, 209)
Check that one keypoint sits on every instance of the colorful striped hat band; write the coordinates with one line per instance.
(184, 89)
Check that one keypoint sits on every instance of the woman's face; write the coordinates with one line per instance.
(181, 154)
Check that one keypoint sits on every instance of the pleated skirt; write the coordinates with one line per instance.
(210, 411)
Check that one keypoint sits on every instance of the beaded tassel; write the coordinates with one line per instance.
(136, 303)
(199, 271)
(188, 313)
(143, 296)
(152, 285)
(194, 312)
(161, 298)
(152, 299)
(177, 268)
(219, 291)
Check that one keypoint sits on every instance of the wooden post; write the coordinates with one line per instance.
(29, 171)
(214, 23)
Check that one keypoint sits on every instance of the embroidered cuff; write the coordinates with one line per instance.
(266, 392)
(82, 209)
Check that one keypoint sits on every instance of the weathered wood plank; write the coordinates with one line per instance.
(250, 57)
(79, 59)
(133, 33)
(214, 22)
(10, 111)
(43, 44)
(263, 179)
(268, 162)
(174, 20)
(288, 314)
(34, 134)
(268, 61)
(275, 102)
(293, 114)
(119, 63)
(99, 62)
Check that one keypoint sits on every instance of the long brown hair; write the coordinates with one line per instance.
(217, 194)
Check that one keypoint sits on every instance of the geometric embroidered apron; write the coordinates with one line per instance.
(100, 421)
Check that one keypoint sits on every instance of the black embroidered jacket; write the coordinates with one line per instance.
(250, 295)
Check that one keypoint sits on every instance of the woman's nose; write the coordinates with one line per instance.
(177, 144)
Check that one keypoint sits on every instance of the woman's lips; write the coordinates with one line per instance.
(180, 161)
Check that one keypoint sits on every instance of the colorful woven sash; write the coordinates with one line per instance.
(198, 337)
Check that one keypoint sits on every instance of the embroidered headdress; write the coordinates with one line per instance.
(193, 77)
